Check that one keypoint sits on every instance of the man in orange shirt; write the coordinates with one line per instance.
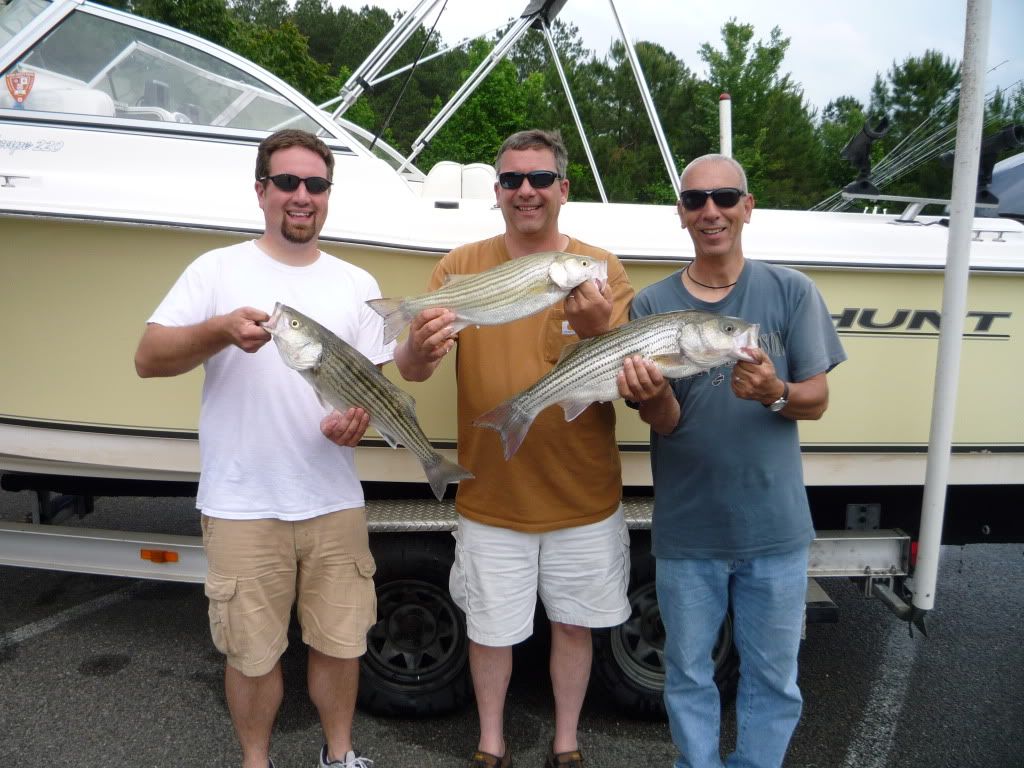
(549, 521)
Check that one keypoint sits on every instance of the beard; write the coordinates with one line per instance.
(298, 235)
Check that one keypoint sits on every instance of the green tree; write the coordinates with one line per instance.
(773, 128)
(627, 150)
(920, 97)
(841, 120)
(264, 13)
(283, 51)
(209, 19)
(496, 109)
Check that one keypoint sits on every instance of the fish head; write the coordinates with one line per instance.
(711, 340)
(568, 270)
(297, 338)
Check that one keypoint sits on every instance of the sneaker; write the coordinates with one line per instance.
(573, 759)
(487, 760)
(351, 759)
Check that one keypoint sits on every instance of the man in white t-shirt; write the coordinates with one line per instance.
(282, 508)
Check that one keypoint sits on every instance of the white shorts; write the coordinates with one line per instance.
(581, 575)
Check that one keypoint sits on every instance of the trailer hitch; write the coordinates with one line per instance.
(912, 615)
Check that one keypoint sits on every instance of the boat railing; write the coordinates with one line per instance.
(914, 204)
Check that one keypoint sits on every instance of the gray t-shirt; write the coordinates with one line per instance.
(728, 482)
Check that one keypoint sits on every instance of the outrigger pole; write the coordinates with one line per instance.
(970, 123)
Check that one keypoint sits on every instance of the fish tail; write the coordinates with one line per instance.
(440, 472)
(510, 422)
(394, 317)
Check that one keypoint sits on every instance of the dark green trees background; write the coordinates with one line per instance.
(790, 150)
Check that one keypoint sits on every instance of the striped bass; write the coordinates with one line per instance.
(681, 344)
(343, 377)
(518, 288)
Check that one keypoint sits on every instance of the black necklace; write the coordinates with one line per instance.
(686, 271)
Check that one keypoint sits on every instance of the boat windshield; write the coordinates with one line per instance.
(15, 16)
(93, 65)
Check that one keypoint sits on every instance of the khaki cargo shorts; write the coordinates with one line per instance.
(259, 568)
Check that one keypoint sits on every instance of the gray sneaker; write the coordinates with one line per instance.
(351, 759)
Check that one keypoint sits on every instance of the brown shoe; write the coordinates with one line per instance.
(573, 759)
(487, 760)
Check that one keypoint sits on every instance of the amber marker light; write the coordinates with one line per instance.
(159, 555)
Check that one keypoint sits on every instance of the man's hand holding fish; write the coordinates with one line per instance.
(431, 337)
(345, 428)
(588, 308)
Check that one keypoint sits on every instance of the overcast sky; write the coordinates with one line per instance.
(836, 46)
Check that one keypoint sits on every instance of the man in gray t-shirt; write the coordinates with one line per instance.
(731, 520)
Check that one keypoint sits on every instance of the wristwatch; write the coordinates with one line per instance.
(782, 402)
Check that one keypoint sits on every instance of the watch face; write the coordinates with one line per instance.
(779, 404)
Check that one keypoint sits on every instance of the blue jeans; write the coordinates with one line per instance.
(767, 595)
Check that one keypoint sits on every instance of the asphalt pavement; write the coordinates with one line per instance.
(115, 673)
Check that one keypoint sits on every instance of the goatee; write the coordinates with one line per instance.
(297, 236)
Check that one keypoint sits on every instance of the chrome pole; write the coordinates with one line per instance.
(645, 96)
(572, 106)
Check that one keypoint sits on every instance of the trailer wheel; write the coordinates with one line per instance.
(629, 659)
(416, 660)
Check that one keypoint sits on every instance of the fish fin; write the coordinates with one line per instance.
(573, 408)
(440, 472)
(388, 437)
(670, 359)
(394, 317)
(677, 366)
(509, 422)
(408, 401)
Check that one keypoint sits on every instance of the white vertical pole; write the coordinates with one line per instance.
(725, 124)
(954, 297)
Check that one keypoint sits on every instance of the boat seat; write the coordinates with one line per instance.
(444, 181)
(478, 181)
(449, 180)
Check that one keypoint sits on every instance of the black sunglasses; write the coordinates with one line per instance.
(724, 197)
(538, 179)
(289, 182)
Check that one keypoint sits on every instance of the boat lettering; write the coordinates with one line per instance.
(47, 146)
(871, 321)
(14, 145)
(10, 146)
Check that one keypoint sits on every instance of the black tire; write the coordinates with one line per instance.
(416, 660)
(629, 659)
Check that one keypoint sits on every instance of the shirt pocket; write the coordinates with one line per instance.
(557, 334)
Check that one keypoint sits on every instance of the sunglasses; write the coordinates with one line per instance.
(724, 197)
(289, 182)
(538, 179)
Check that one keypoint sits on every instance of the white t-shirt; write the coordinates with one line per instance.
(261, 449)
